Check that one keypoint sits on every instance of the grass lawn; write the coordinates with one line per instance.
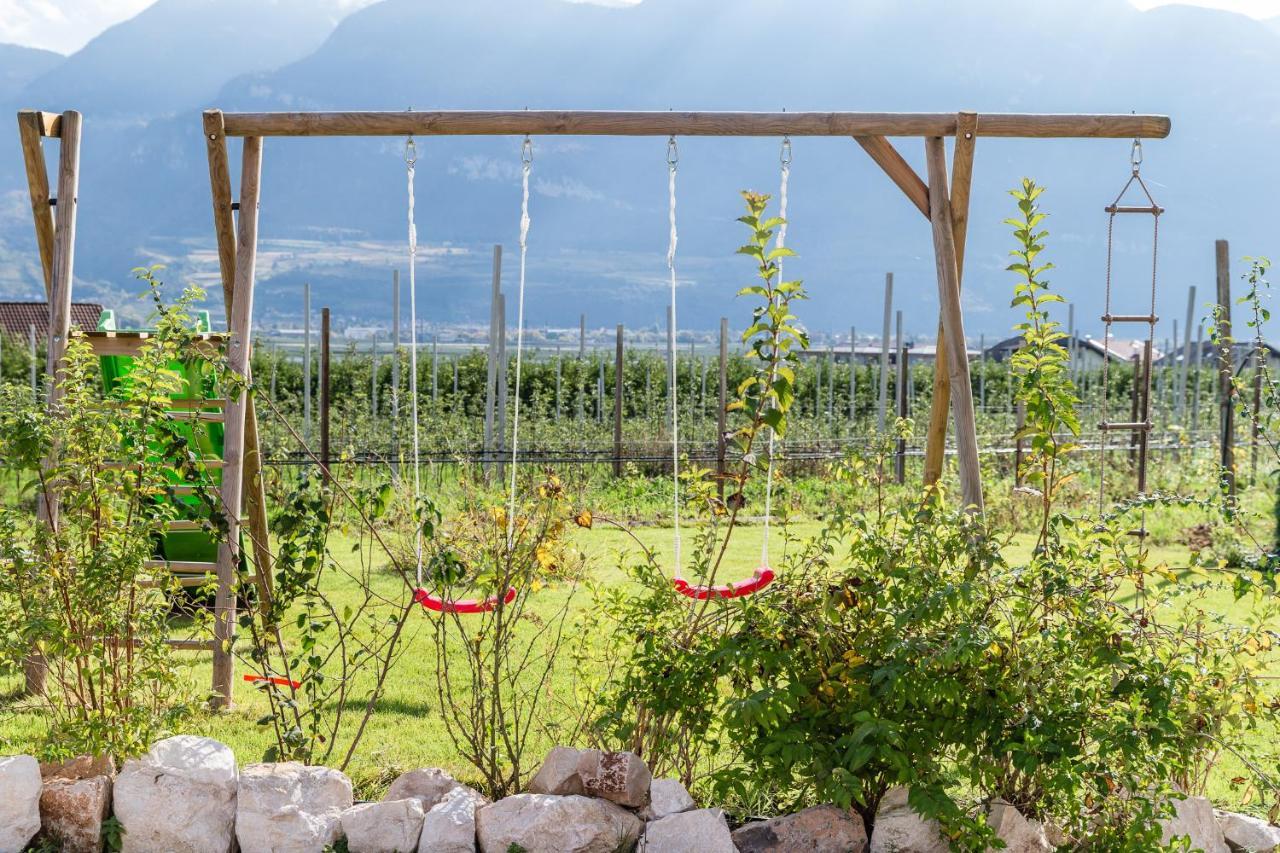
(407, 730)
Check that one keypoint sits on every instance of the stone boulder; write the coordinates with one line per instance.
(427, 785)
(20, 803)
(1244, 832)
(80, 767)
(450, 827)
(619, 777)
(1019, 834)
(290, 807)
(1194, 819)
(562, 771)
(666, 797)
(698, 831)
(821, 829)
(391, 826)
(178, 798)
(544, 823)
(900, 829)
(72, 812)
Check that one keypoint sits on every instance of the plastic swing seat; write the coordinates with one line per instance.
(466, 605)
(762, 578)
(277, 680)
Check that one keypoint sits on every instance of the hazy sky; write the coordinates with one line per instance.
(65, 25)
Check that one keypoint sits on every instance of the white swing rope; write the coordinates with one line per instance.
(410, 159)
(785, 159)
(673, 160)
(526, 165)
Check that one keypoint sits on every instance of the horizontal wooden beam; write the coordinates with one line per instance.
(47, 124)
(603, 123)
(899, 170)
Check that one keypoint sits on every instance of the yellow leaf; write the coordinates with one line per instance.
(583, 519)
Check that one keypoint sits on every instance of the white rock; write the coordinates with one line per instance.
(899, 829)
(1245, 832)
(1020, 834)
(544, 823)
(562, 771)
(619, 777)
(178, 798)
(667, 797)
(391, 826)
(19, 801)
(428, 785)
(1195, 820)
(698, 831)
(290, 807)
(450, 827)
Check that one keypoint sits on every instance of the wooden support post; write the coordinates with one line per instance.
(1135, 405)
(1185, 365)
(944, 246)
(853, 374)
(559, 383)
(491, 357)
(617, 404)
(306, 362)
(904, 373)
(722, 410)
(884, 352)
(1226, 369)
(395, 373)
(961, 179)
(239, 329)
(325, 380)
(33, 362)
(1019, 445)
(373, 380)
(582, 336)
(435, 372)
(32, 140)
(501, 391)
(1195, 379)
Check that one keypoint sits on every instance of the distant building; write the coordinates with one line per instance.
(1242, 353)
(17, 318)
(1088, 352)
(870, 353)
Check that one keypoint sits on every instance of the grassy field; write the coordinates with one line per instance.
(407, 730)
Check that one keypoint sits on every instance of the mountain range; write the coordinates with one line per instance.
(334, 210)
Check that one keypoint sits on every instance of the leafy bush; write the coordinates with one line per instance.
(75, 593)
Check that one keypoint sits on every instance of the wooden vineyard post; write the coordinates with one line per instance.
(1019, 445)
(1226, 388)
(944, 246)
(961, 179)
(904, 407)
(239, 327)
(1135, 404)
(617, 404)
(853, 375)
(722, 410)
(306, 361)
(884, 353)
(395, 373)
(582, 336)
(491, 358)
(1256, 428)
(325, 458)
(1184, 367)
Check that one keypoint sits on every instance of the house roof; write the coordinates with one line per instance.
(17, 318)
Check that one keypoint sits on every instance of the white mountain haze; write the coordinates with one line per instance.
(333, 210)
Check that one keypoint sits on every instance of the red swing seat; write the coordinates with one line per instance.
(465, 605)
(762, 578)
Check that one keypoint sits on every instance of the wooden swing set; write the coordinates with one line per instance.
(943, 200)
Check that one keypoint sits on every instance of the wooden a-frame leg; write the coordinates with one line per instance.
(944, 249)
(239, 329)
(60, 281)
(961, 179)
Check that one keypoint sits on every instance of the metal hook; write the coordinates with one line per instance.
(1135, 155)
(526, 151)
(673, 152)
(785, 156)
(410, 152)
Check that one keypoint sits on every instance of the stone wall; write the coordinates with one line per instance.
(188, 795)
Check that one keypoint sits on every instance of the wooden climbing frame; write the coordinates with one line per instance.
(241, 464)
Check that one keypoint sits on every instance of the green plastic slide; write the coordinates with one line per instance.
(196, 545)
